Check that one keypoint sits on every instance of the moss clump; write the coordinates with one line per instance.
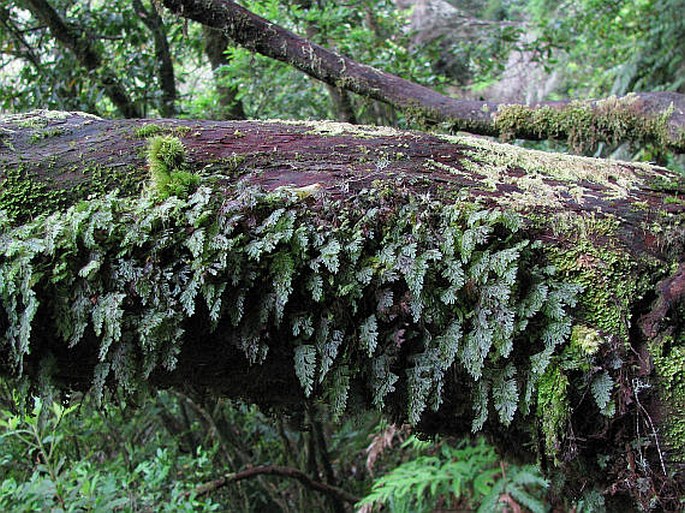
(669, 364)
(553, 408)
(167, 162)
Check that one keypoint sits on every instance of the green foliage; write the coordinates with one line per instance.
(370, 32)
(444, 283)
(602, 386)
(468, 475)
(616, 47)
(46, 75)
(45, 467)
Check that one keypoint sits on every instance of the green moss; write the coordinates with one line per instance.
(39, 135)
(151, 129)
(586, 340)
(225, 166)
(613, 120)
(102, 180)
(606, 273)
(22, 197)
(584, 345)
(669, 365)
(32, 122)
(25, 195)
(167, 163)
(553, 408)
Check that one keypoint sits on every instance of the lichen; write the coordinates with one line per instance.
(40, 118)
(335, 128)
(549, 179)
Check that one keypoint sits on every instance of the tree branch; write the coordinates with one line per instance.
(79, 43)
(564, 250)
(657, 118)
(275, 470)
(165, 70)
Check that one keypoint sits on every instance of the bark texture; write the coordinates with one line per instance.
(453, 282)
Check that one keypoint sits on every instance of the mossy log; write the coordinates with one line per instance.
(452, 282)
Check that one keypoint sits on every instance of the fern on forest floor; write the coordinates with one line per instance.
(470, 474)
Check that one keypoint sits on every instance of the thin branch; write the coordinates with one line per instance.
(26, 51)
(165, 71)
(276, 470)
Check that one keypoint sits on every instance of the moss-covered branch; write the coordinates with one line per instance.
(458, 284)
(644, 118)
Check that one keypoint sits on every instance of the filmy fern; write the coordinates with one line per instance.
(405, 294)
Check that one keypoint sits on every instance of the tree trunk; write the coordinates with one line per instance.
(165, 66)
(216, 44)
(453, 282)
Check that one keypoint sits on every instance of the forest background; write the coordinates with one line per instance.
(173, 451)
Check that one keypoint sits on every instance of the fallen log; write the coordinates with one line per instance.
(459, 284)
